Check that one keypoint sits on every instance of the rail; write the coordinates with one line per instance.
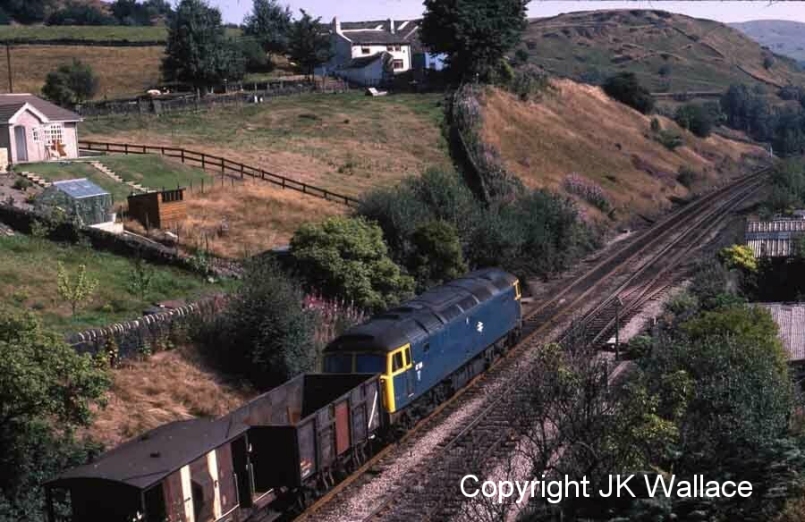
(218, 164)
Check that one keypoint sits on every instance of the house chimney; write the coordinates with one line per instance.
(392, 29)
(337, 25)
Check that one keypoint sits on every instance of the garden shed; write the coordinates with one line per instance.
(78, 199)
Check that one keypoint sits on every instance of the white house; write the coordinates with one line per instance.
(32, 129)
(370, 52)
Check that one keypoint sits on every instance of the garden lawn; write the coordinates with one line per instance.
(59, 171)
(154, 171)
(29, 276)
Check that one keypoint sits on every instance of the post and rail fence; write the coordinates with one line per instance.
(218, 164)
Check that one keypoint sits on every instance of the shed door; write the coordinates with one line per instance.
(22, 143)
(341, 427)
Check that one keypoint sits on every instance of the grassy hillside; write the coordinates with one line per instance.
(347, 143)
(123, 71)
(85, 32)
(578, 129)
(669, 52)
(781, 36)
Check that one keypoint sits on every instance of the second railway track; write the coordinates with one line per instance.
(629, 277)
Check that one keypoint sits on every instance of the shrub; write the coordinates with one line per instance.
(625, 88)
(588, 190)
(437, 256)
(71, 84)
(256, 59)
(75, 13)
(22, 184)
(655, 125)
(694, 118)
(347, 258)
(669, 139)
(768, 61)
(529, 82)
(687, 176)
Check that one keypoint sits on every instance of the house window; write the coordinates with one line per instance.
(390, 48)
(37, 134)
(365, 50)
(398, 65)
(398, 48)
(54, 133)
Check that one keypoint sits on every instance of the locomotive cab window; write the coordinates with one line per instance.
(341, 363)
(397, 363)
(368, 363)
(408, 360)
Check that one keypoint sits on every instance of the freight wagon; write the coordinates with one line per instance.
(285, 441)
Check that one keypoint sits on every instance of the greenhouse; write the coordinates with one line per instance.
(78, 199)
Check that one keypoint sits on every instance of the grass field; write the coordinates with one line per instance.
(151, 171)
(668, 52)
(123, 71)
(145, 395)
(88, 33)
(28, 281)
(578, 129)
(347, 143)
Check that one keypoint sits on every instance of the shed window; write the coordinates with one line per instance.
(365, 50)
(397, 64)
(54, 134)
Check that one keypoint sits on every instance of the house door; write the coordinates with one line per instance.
(22, 143)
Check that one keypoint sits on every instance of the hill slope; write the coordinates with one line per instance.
(578, 129)
(781, 36)
(669, 52)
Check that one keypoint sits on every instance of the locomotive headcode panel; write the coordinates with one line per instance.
(208, 470)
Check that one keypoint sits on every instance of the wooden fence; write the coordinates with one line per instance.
(217, 164)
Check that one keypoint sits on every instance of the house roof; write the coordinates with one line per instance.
(363, 61)
(790, 319)
(150, 458)
(80, 188)
(380, 32)
(11, 104)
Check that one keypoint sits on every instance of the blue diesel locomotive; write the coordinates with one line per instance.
(432, 345)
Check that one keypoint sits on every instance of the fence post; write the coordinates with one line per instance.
(241, 171)
(126, 148)
(182, 156)
(203, 160)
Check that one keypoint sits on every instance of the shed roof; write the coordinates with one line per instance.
(11, 104)
(80, 188)
(774, 238)
(150, 458)
(790, 319)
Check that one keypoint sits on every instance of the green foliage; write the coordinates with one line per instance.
(683, 304)
(140, 279)
(47, 391)
(738, 256)
(474, 34)
(253, 54)
(347, 258)
(80, 13)
(264, 333)
(308, 43)
(198, 52)
(529, 82)
(625, 88)
(788, 186)
(27, 11)
(437, 255)
(132, 12)
(270, 24)
(75, 291)
(669, 139)
(687, 176)
(71, 84)
(22, 184)
(655, 125)
(694, 118)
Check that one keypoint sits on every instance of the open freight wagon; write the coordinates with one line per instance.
(285, 441)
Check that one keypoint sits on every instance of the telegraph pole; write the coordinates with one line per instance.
(8, 61)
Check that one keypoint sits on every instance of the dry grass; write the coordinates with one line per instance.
(170, 386)
(259, 217)
(579, 129)
(123, 71)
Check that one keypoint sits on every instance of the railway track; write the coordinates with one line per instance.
(640, 268)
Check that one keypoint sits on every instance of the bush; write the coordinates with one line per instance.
(655, 125)
(265, 333)
(256, 59)
(75, 13)
(768, 61)
(694, 118)
(437, 255)
(71, 84)
(669, 139)
(529, 82)
(22, 184)
(625, 88)
(588, 190)
(687, 176)
(347, 258)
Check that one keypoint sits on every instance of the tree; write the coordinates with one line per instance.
(47, 391)
(437, 255)
(474, 34)
(308, 43)
(27, 11)
(738, 256)
(625, 88)
(71, 84)
(265, 333)
(270, 24)
(78, 291)
(347, 258)
(694, 118)
(198, 52)
(77, 13)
